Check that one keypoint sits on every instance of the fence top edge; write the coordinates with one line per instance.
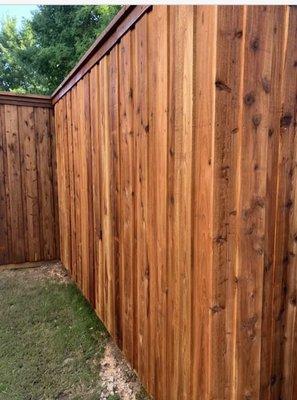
(25, 96)
(30, 100)
(121, 16)
(36, 100)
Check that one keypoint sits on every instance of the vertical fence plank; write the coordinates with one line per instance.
(106, 183)
(157, 195)
(58, 129)
(30, 182)
(272, 86)
(127, 190)
(71, 192)
(85, 175)
(142, 131)
(171, 334)
(55, 182)
(61, 181)
(76, 110)
(45, 181)
(82, 174)
(183, 190)
(94, 109)
(203, 125)
(89, 227)
(113, 79)
(4, 231)
(14, 187)
(287, 228)
(181, 198)
(230, 44)
(101, 149)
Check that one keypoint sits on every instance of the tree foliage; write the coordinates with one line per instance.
(37, 57)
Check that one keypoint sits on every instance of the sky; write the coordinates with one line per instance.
(18, 11)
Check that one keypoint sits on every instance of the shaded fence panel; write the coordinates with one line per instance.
(28, 198)
(176, 173)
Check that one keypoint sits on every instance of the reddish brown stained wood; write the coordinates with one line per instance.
(102, 259)
(20, 193)
(102, 167)
(4, 243)
(63, 185)
(113, 80)
(157, 194)
(76, 172)
(183, 154)
(67, 138)
(94, 110)
(106, 207)
(84, 172)
(70, 135)
(170, 334)
(29, 183)
(55, 181)
(14, 185)
(91, 284)
(127, 191)
(10, 98)
(45, 181)
(141, 181)
(122, 22)
(253, 200)
(272, 85)
(285, 279)
(58, 129)
(203, 111)
(81, 225)
(181, 199)
(226, 149)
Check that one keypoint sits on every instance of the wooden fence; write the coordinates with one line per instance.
(176, 150)
(28, 198)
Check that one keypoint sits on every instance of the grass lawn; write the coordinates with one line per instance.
(51, 342)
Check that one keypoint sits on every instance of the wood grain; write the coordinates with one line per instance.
(30, 183)
(28, 193)
(127, 191)
(181, 162)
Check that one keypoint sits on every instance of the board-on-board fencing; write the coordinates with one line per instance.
(177, 179)
(177, 175)
(28, 196)
(176, 166)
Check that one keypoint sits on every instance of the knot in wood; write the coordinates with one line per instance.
(266, 85)
(249, 98)
(216, 308)
(238, 34)
(286, 120)
(220, 85)
(257, 120)
(255, 44)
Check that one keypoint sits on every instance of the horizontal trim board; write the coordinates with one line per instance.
(122, 22)
(9, 98)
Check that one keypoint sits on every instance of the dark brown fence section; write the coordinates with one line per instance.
(177, 195)
(28, 195)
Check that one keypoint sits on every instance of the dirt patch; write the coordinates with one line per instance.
(117, 376)
(47, 270)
